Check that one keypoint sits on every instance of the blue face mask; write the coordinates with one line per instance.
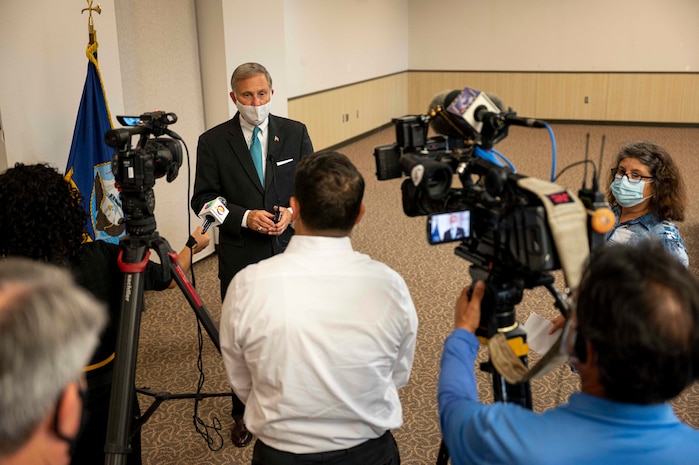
(628, 194)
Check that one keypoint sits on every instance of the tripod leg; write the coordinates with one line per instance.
(237, 408)
(121, 399)
(443, 455)
(194, 300)
(519, 393)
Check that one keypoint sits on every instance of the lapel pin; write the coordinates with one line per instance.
(276, 139)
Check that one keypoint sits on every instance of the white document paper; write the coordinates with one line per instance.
(538, 337)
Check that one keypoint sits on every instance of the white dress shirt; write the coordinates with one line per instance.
(316, 342)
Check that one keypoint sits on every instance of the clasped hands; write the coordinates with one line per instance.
(262, 221)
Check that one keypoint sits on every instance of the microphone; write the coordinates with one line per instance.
(438, 119)
(515, 120)
(462, 113)
(214, 212)
(273, 162)
(453, 112)
(468, 107)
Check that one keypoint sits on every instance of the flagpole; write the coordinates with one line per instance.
(92, 34)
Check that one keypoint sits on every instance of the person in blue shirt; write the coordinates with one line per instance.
(634, 338)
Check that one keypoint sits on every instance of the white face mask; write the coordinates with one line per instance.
(252, 114)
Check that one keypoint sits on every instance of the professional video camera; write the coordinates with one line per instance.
(136, 168)
(514, 229)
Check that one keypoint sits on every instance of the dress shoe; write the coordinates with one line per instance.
(240, 436)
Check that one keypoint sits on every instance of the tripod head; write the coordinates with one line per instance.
(504, 290)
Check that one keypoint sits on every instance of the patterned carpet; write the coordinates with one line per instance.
(168, 340)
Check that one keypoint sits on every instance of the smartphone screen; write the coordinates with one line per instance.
(448, 227)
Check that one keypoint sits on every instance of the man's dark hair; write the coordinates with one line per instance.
(40, 214)
(329, 189)
(638, 307)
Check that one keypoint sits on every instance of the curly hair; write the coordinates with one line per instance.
(670, 198)
(41, 215)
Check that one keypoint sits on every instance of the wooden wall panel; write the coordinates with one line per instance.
(575, 96)
(423, 86)
(654, 98)
(518, 91)
(337, 115)
(689, 109)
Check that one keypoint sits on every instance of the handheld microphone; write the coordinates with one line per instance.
(278, 214)
(214, 212)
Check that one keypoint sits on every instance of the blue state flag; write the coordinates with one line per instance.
(435, 234)
(89, 166)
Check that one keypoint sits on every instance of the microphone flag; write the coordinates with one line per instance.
(89, 167)
(465, 105)
(214, 212)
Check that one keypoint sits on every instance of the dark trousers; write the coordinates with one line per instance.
(380, 451)
(238, 407)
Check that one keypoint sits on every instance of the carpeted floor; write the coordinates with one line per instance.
(168, 341)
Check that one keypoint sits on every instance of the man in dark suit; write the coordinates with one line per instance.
(250, 161)
(225, 168)
(455, 231)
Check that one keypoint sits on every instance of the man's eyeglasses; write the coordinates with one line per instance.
(633, 177)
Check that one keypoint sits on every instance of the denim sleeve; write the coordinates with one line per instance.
(673, 242)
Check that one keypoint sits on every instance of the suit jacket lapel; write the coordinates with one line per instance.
(242, 152)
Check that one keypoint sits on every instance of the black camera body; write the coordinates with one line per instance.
(508, 224)
(510, 242)
(137, 167)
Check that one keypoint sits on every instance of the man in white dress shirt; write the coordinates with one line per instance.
(318, 340)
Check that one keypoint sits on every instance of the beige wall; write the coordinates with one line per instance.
(554, 35)
(540, 56)
(152, 65)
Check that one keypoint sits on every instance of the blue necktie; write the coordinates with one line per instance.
(256, 152)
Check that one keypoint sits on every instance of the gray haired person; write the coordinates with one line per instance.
(49, 328)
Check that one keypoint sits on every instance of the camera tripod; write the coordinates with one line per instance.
(133, 258)
(498, 315)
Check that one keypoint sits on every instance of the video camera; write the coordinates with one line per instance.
(514, 229)
(136, 168)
